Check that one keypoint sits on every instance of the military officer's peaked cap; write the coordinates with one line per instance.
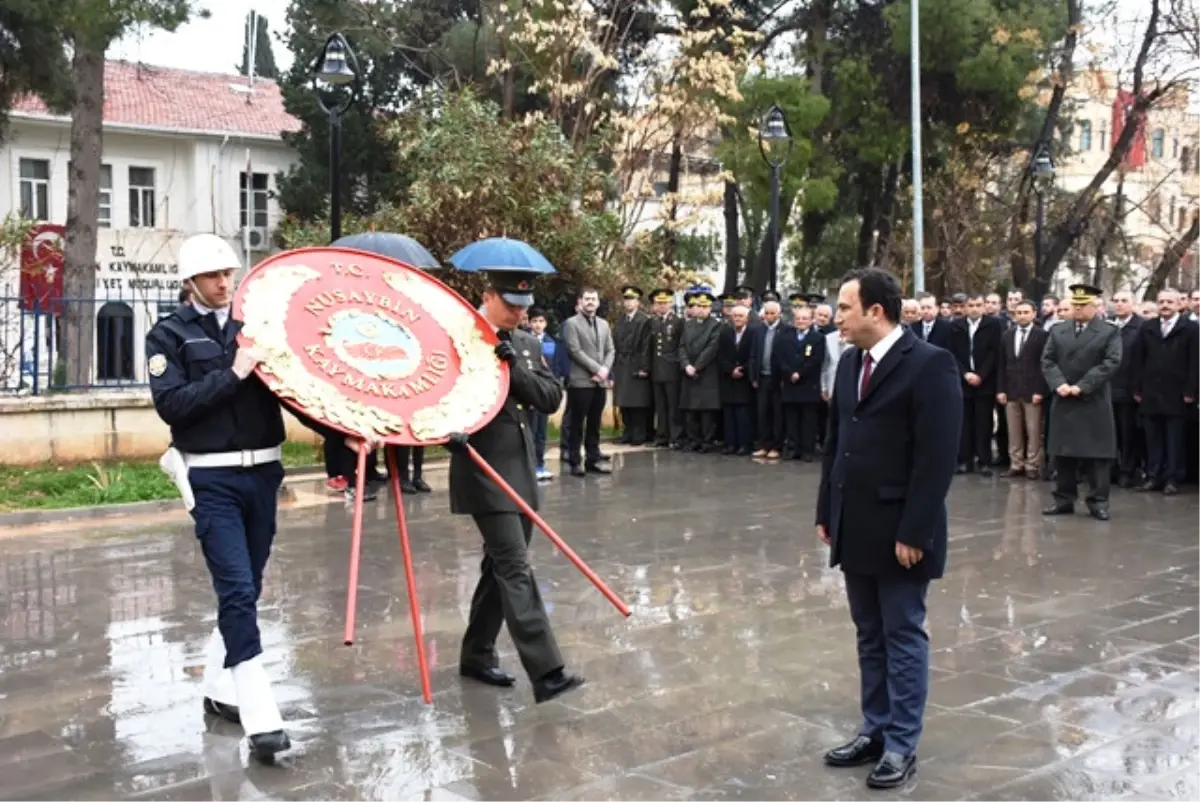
(798, 297)
(662, 295)
(700, 296)
(729, 299)
(744, 291)
(631, 292)
(1084, 293)
(815, 298)
(769, 295)
(515, 286)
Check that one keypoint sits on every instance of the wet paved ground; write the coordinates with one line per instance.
(1066, 663)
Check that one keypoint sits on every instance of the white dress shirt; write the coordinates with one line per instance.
(879, 351)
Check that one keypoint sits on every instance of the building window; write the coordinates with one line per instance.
(114, 342)
(1171, 210)
(1157, 143)
(1154, 208)
(1182, 218)
(1103, 138)
(35, 189)
(1174, 145)
(105, 216)
(141, 197)
(1085, 136)
(257, 200)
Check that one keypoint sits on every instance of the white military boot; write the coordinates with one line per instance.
(259, 713)
(220, 694)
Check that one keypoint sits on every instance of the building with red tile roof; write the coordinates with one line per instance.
(140, 97)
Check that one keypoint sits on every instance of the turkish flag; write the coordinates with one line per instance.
(42, 268)
(1135, 159)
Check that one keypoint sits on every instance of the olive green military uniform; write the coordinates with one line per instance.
(507, 592)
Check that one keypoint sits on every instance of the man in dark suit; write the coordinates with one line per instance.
(737, 396)
(1130, 448)
(882, 510)
(932, 327)
(1022, 390)
(769, 418)
(1165, 365)
(507, 592)
(799, 357)
(975, 343)
(1079, 359)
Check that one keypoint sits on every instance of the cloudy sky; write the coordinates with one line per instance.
(207, 45)
(215, 44)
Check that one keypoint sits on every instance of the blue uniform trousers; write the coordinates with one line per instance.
(235, 524)
(893, 658)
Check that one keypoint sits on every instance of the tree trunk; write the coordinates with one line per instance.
(887, 216)
(733, 258)
(1171, 259)
(83, 209)
(670, 237)
(868, 210)
(1114, 220)
(1072, 228)
(1022, 276)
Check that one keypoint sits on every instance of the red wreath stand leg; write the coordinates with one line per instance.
(414, 607)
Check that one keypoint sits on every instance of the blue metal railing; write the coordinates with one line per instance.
(37, 334)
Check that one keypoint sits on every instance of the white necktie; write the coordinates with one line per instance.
(1020, 340)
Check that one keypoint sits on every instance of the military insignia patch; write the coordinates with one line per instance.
(157, 365)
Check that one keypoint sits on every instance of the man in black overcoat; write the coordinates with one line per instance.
(633, 392)
(737, 396)
(1130, 442)
(1165, 379)
(881, 508)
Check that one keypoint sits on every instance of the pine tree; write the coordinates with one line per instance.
(264, 56)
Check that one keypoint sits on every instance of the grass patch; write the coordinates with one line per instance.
(56, 487)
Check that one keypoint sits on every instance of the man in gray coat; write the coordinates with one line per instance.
(1079, 360)
(592, 353)
(507, 592)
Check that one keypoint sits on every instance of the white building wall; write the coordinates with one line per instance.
(196, 189)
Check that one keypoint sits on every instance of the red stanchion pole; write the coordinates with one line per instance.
(414, 605)
(550, 533)
(360, 485)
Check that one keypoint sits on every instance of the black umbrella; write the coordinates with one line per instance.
(394, 246)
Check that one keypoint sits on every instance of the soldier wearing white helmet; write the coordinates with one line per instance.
(226, 430)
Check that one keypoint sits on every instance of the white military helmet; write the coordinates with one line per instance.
(206, 253)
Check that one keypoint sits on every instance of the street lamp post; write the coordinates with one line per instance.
(775, 144)
(1042, 169)
(337, 69)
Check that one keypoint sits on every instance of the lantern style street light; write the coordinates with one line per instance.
(775, 144)
(1042, 171)
(337, 81)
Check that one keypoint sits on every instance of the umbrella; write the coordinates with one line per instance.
(501, 254)
(394, 246)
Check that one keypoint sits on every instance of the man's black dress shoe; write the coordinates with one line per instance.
(407, 487)
(421, 485)
(601, 469)
(1059, 509)
(555, 684)
(1099, 513)
(577, 470)
(266, 745)
(892, 771)
(859, 752)
(228, 712)
(488, 676)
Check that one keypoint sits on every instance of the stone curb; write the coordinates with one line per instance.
(310, 473)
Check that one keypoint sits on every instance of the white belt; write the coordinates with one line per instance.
(233, 459)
